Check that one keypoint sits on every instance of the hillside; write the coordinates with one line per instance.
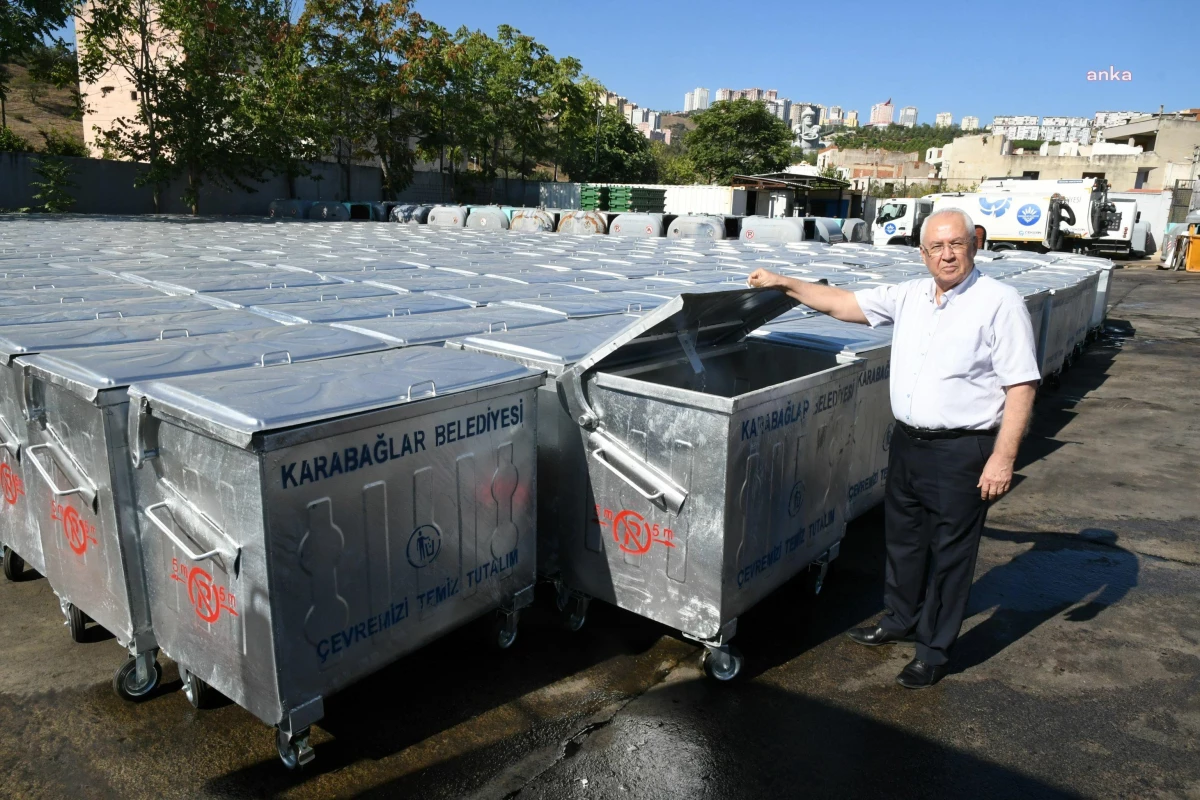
(54, 108)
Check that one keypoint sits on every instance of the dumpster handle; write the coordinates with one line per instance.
(262, 361)
(163, 333)
(271, 285)
(37, 286)
(504, 329)
(422, 383)
(321, 299)
(64, 300)
(170, 534)
(653, 498)
(109, 315)
(31, 451)
(407, 312)
(10, 442)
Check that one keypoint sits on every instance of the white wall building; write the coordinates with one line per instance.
(699, 98)
(881, 113)
(908, 116)
(970, 123)
(944, 119)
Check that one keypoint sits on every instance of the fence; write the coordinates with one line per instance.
(107, 187)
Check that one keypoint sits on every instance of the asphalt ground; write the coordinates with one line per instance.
(1078, 672)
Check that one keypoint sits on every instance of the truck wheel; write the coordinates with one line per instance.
(14, 565)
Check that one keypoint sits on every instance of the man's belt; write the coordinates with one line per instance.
(926, 434)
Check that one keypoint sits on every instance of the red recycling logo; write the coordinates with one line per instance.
(79, 532)
(12, 485)
(208, 600)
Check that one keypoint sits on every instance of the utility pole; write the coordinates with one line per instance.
(596, 158)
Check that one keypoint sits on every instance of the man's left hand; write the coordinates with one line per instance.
(997, 477)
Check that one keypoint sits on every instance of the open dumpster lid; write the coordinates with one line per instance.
(552, 348)
(89, 371)
(821, 332)
(683, 324)
(233, 406)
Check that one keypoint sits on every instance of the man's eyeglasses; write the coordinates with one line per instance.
(936, 250)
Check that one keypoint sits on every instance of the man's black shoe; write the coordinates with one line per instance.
(919, 675)
(875, 635)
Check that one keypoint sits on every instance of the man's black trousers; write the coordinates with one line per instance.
(934, 516)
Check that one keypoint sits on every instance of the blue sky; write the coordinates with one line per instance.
(973, 58)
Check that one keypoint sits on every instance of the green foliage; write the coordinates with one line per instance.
(24, 25)
(898, 138)
(58, 143)
(739, 137)
(610, 150)
(12, 143)
(1028, 144)
(674, 164)
(54, 196)
(800, 156)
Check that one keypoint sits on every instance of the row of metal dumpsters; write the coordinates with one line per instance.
(286, 456)
(713, 227)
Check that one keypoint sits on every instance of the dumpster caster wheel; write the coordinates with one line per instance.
(819, 581)
(294, 749)
(723, 663)
(574, 612)
(76, 621)
(127, 685)
(197, 691)
(14, 565)
(505, 628)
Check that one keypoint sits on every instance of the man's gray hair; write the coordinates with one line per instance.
(958, 212)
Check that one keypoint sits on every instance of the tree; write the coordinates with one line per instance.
(360, 52)
(738, 137)
(127, 37)
(610, 150)
(897, 138)
(24, 26)
(674, 164)
(55, 184)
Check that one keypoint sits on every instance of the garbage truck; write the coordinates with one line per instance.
(1011, 213)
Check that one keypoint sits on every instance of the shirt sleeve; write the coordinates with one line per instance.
(878, 304)
(1014, 352)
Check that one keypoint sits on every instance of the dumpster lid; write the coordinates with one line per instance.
(436, 328)
(19, 340)
(686, 323)
(89, 371)
(235, 405)
(79, 294)
(821, 332)
(552, 348)
(105, 309)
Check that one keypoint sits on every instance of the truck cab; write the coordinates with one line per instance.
(899, 220)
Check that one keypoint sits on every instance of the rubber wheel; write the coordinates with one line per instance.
(196, 689)
(504, 638)
(294, 752)
(572, 618)
(14, 565)
(723, 672)
(76, 621)
(125, 681)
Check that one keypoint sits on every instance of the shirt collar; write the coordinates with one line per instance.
(962, 286)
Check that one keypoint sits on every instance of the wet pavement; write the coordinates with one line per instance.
(1078, 673)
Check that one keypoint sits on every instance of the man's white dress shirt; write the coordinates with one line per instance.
(951, 360)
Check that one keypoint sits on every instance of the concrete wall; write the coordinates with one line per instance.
(969, 159)
(107, 187)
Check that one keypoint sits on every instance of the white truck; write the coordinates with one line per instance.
(1129, 236)
(1011, 213)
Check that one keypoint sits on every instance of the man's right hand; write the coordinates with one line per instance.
(765, 279)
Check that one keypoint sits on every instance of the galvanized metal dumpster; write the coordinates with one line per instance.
(714, 466)
(305, 526)
(82, 495)
(871, 434)
(18, 522)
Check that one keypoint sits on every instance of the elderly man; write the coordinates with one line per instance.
(964, 374)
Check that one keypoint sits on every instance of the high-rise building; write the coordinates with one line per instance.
(908, 116)
(881, 113)
(836, 116)
(770, 94)
(724, 94)
(1016, 127)
(689, 102)
(943, 120)
(1107, 119)
(851, 119)
(699, 98)
(780, 108)
(794, 114)
(970, 123)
